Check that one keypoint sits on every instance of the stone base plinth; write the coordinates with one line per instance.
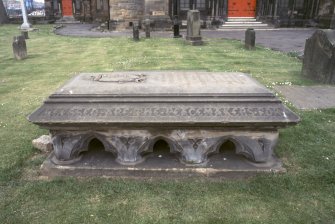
(160, 165)
(194, 41)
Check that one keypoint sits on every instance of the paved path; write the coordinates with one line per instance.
(285, 40)
(309, 97)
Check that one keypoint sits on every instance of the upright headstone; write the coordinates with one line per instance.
(25, 34)
(250, 38)
(147, 28)
(176, 27)
(19, 47)
(193, 28)
(332, 22)
(136, 32)
(319, 57)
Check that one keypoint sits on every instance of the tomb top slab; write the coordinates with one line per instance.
(164, 98)
(162, 83)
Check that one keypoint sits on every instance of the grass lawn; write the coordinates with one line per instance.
(305, 194)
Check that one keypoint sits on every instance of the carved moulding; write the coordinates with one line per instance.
(195, 146)
(192, 146)
(68, 145)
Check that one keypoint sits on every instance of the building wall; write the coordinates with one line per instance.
(156, 7)
(121, 14)
(293, 13)
(325, 12)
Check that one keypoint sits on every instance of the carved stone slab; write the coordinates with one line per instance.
(194, 112)
(153, 98)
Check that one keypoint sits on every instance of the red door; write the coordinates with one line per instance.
(241, 8)
(67, 7)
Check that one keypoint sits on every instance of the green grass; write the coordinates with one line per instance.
(305, 194)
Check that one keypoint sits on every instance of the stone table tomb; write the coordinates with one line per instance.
(195, 113)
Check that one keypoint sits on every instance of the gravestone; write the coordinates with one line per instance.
(136, 32)
(147, 27)
(319, 57)
(176, 27)
(19, 47)
(25, 34)
(250, 37)
(194, 112)
(193, 35)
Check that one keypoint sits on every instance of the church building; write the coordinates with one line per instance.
(121, 14)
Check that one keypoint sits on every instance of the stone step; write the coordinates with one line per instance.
(241, 19)
(67, 20)
(246, 27)
(242, 22)
(243, 25)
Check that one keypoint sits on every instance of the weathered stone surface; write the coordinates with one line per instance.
(176, 27)
(43, 143)
(129, 111)
(147, 23)
(136, 32)
(19, 47)
(123, 13)
(250, 38)
(319, 57)
(25, 34)
(193, 28)
(162, 166)
(309, 97)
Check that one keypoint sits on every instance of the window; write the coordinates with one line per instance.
(284, 3)
(77, 5)
(55, 4)
(201, 4)
(299, 4)
(100, 5)
(184, 4)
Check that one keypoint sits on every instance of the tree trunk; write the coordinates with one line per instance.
(3, 13)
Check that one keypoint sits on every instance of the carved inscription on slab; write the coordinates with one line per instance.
(120, 78)
(165, 112)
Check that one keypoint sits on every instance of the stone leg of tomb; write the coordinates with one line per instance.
(67, 147)
(129, 148)
(258, 149)
(193, 146)
(69, 144)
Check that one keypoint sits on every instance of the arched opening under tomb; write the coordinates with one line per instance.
(95, 145)
(161, 151)
(227, 153)
(161, 147)
(227, 148)
(96, 151)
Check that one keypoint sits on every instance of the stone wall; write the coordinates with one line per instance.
(125, 12)
(100, 10)
(158, 12)
(156, 7)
